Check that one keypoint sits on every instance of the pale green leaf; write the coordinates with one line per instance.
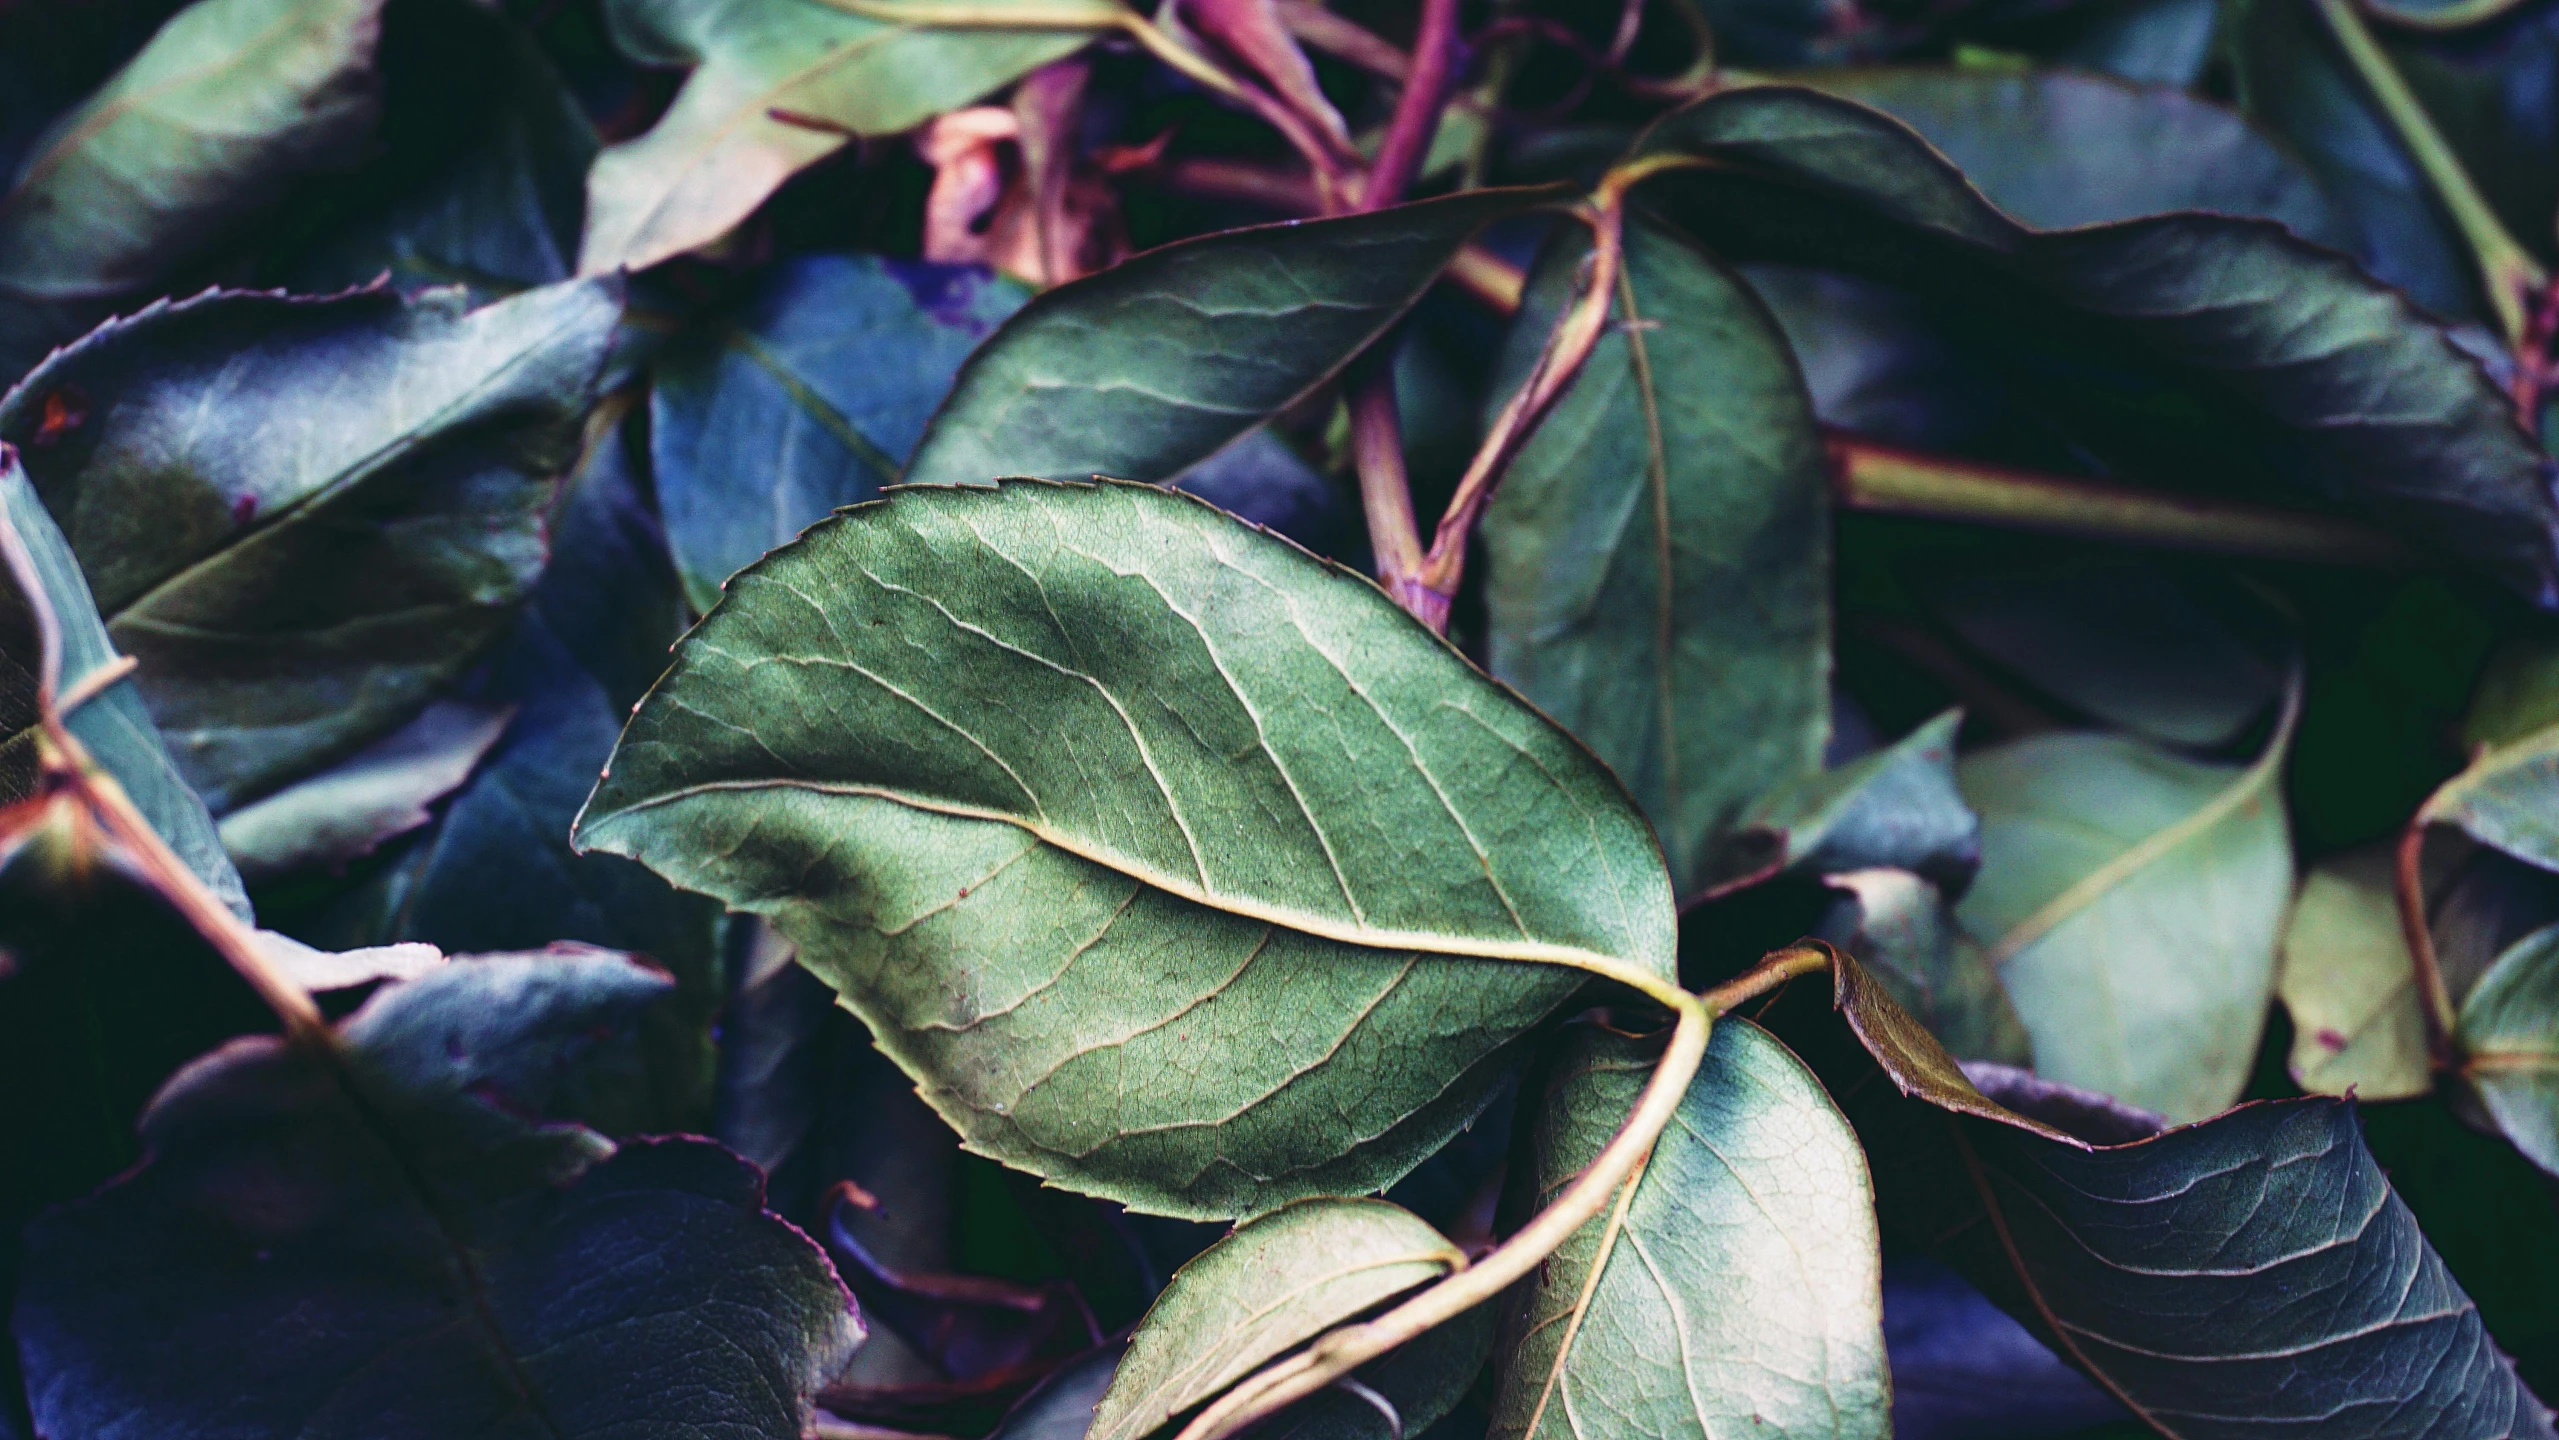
(777, 85)
(1148, 368)
(1661, 547)
(1270, 1287)
(1738, 1291)
(2505, 799)
(2349, 984)
(2508, 1035)
(227, 107)
(2132, 900)
(1175, 863)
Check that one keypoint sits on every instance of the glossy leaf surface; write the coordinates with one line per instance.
(2257, 343)
(1276, 1283)
(2132, 901)
(1185, 741)
(1146, 369)
(2172, 1267)
(1661, 547)
(296, 578)
(430, 1260)
(228, 106)
(776, 85)
(1737, 1291)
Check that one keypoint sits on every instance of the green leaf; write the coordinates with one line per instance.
(2508, 1036)
(231, 104)
(2059, 148)
(1896, 808)
(380, 792)
(1061, 1407)
(2504, 799)
(2186, 658)
(303, 516)
(431, 1259)
(803, 395)
(777, 85)
(2131, 900)
(1066, 787)
(2517, 694)
(1738, 1290)
(1276, 1283)
(2350, 985)
(1901, 928)
(1151, 366)
(2173, 1267)
(112, 724)
(1661, 547)
(2187, 345)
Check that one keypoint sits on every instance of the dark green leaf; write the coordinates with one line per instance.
(1738, 1291)
(479, 177)
(806, 395)
(112, 724)
(1276, 1283)
(1661, 547)
(1148, 368)
(777, 85)
(1897, 808)
(431, 1260)
(381, 792)
(2055, 148)
(227, 107)
(1065, 787)
(2250, 1276)
(2131, 900)
(302, 516)
(2223, 344)
(1061, 1407)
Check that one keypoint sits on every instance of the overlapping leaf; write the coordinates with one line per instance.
(1148, 368)
(777, 85)
(1661, 547)
(230, 103)
(2173, 1268)
(1897, 808)
(429, 1258)
(2220, 340)
(1736, 1290)
(1069, 789)
(2350, 984)
(359, 517)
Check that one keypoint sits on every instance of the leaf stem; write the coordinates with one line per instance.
(2506, 270)
(1883, 480)
(1774, 969)
(2410, 874)
(1417, 110)
(1341, 1351)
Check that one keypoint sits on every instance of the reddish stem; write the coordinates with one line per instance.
(1417, 110)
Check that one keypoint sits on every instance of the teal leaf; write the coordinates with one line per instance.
(1896, 808)
(1065, 786)
(1661, 547)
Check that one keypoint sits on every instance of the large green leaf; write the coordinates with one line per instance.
(1146, 369)
(231, 103)
(2058, 148)
(111, 723)
(777, 85)
(2132, 901)
(2349, 984)
(2247, 1278)
(2508, 1035)
(1738, 1291)
(302, 516)
(391, 1241)
(1661, 547)
(2181, 345)
(1270, 1287)
(1067, 788)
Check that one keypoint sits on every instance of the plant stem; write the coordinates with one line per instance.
(1386, 497)
(1774, 969)
(2434, 997)
(2506, 270)
(1417, 110)
(1883, 480)
(1341, 1351)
